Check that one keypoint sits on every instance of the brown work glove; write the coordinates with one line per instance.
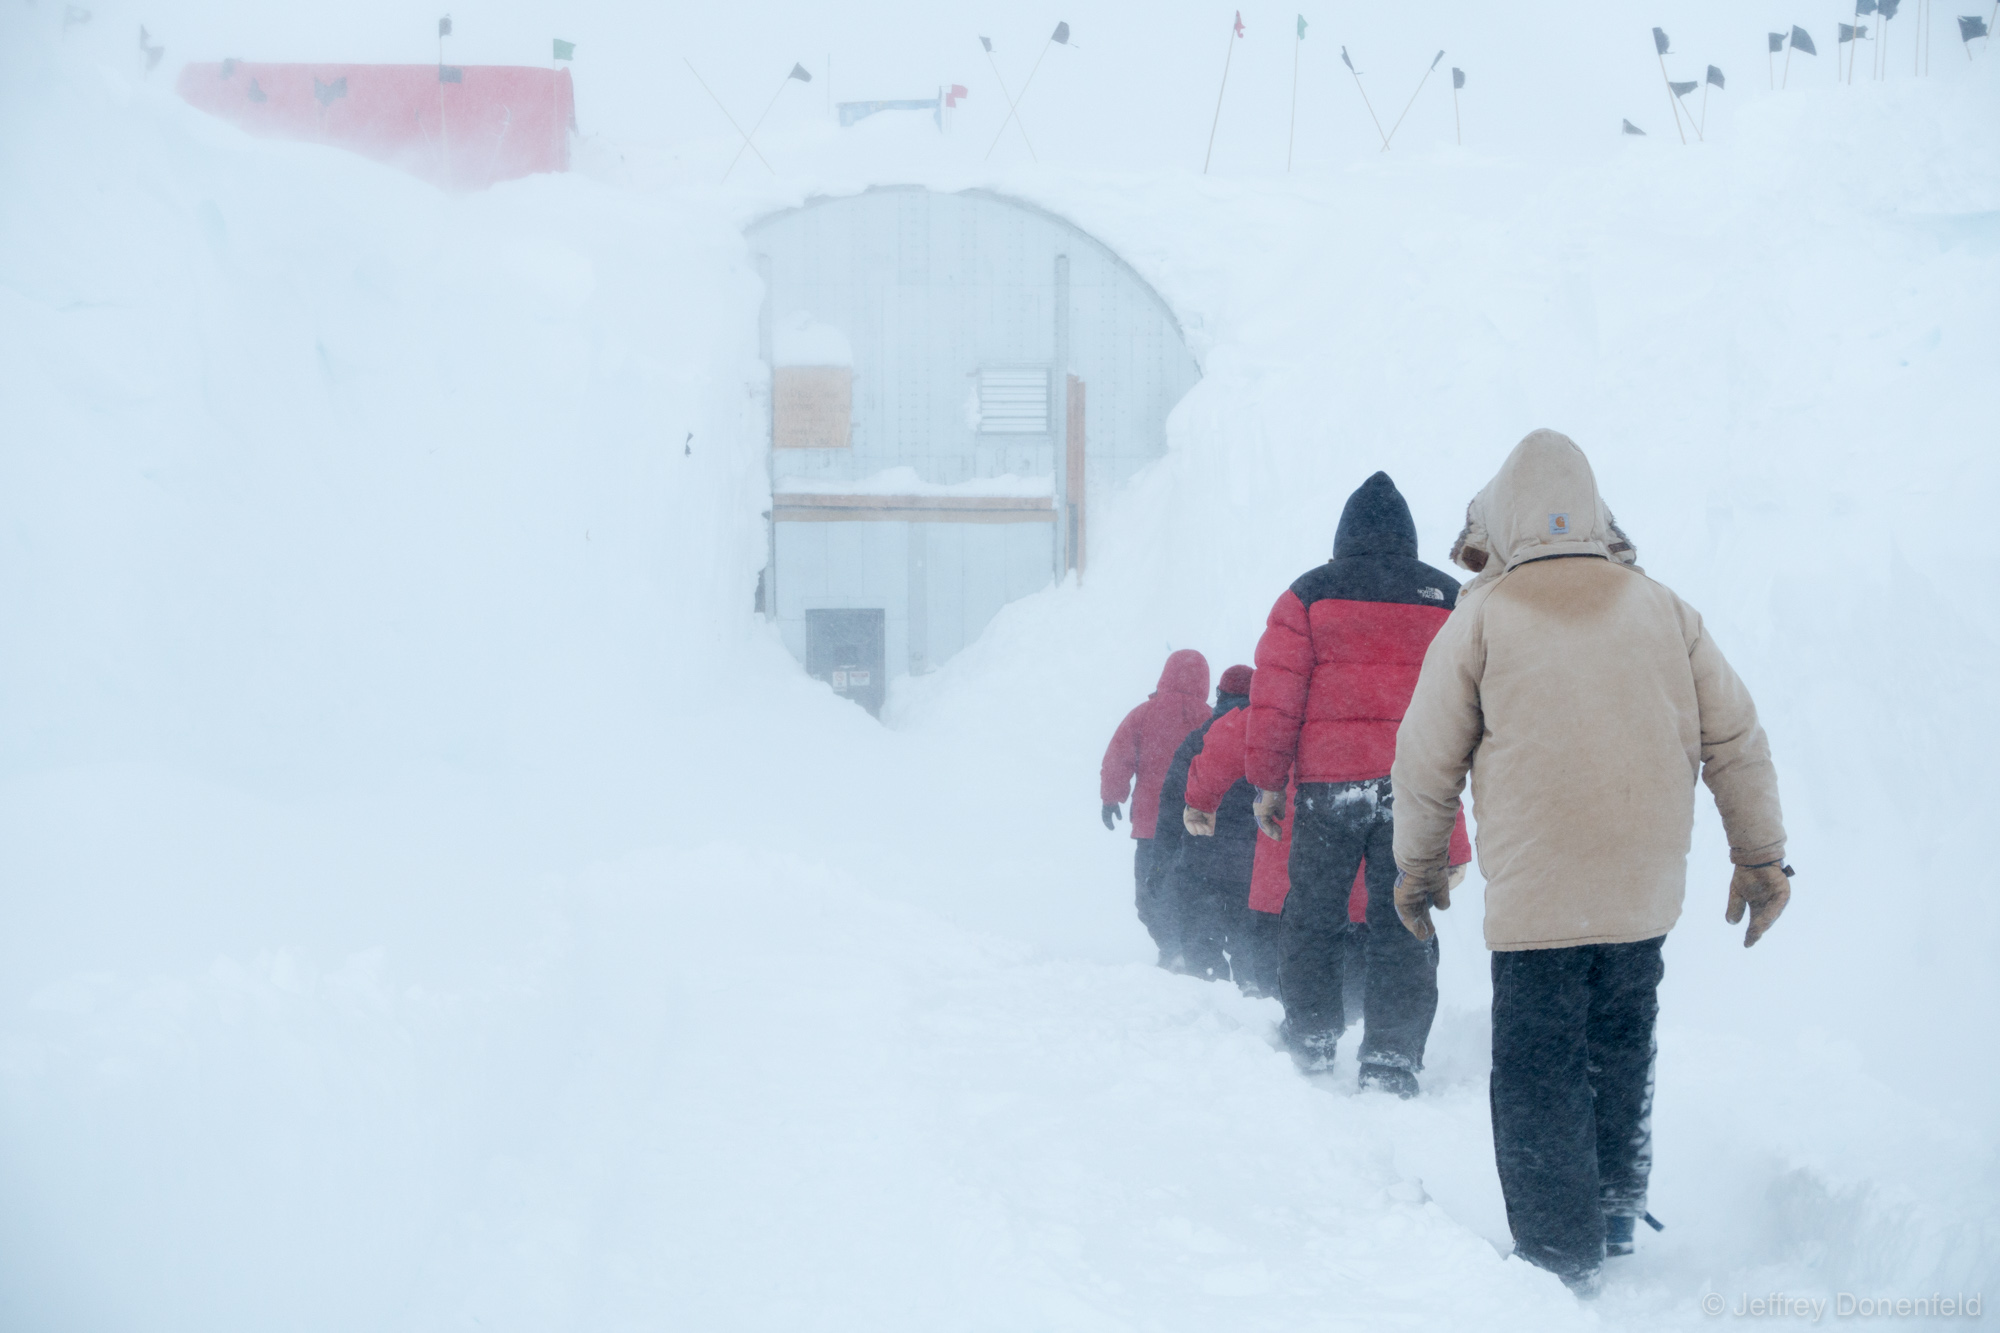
(1269, 807)
(1456, 877)
(1201, 823)
(1764, 890)
(1417, 894)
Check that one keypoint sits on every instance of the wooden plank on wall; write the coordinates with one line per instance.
(1073, 476)
(812, 407)
(804, 507)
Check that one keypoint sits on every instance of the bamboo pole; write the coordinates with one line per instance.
(725, 115)
(1701, 130)
(1292, 133)
(1010, 107)
(1413, 100)
(1788, 63)
(1364, 96)
(1227, 57)
(1457, 131)
(749, 139)
(1012, 110)
(1672, 101)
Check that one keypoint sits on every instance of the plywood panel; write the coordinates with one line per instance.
(812, 407)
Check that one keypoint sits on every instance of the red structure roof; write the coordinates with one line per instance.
(458, 127)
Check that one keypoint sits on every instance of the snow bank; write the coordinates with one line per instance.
(434, 899)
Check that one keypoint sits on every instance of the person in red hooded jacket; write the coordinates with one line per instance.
(1336, 666)
(1135, 765)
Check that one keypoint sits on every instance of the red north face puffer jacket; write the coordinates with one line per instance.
(1145, 741)
(1342, 648)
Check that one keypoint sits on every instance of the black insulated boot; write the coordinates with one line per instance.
(1389, 1078)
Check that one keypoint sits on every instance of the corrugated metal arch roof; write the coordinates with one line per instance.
(1021, 205)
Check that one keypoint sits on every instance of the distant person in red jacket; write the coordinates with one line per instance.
(1335, 670)
(1135, 765)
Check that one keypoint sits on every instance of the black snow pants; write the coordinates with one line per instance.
(1336, 827)
(1253, 951)
(1204, 915)
(1158, 911)
(1572, 1094)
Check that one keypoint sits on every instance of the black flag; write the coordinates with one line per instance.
(1659, 41)
(1683, 89)
(987, 42)
(1777, 42)
(1630, 128)
(1888, 8)
(1971, 27)
(1802, 41)
(450, 74)
(444, 26)
(256, 94)
(801, 73)
(324, 93)
(153, 52)
(1061, 34)
(1715, 77)
(1848, 32)
(1349, 63)
(1864, 6)
(1434, 63)
(1457, 77)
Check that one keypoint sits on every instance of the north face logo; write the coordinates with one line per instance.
(1558, 525)
(1435, 594)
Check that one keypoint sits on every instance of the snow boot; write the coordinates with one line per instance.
(1312, 1052)
(1618, 1229)
(1390, 1078)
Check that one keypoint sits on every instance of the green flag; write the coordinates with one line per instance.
(565, 50)
(1302, 27)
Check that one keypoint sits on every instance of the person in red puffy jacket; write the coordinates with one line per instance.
(1336, 666)
(1135, 765)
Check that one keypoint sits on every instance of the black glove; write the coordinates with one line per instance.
(1111, 813)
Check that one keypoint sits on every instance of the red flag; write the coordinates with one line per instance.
(956, 94)
(1239, 23)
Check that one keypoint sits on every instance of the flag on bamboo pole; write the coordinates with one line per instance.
(1864, 6)
(1802, 41)
(1715, 77)
(1850, 33)
(1239, 23)
(152, 49)
(1302, 27)
(1630, 128)
(987, 42)
(1457, 78)
(255, 93)
(801, 73)
(1887, 8)
(444, 26)
(1969, 27)
(1683, 89)
(73, 15)
(564, 50)
(1660, 42)
(1349, 63)
(1061, 34)
(325, 93)
(1777, 42)
(956, 95)
(450, 74)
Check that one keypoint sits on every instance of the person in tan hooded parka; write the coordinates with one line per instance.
(1583, 698)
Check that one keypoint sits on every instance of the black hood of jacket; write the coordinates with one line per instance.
(1225, 702)
(1376, 521)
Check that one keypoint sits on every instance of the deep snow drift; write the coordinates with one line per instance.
(433, 900)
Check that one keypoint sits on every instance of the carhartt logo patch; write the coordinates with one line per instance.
(1558, 525)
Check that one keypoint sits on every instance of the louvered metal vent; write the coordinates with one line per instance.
(1014, 402)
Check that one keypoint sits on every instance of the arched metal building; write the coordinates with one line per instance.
(956, 378)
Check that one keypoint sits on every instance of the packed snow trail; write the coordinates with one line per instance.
(435, 901)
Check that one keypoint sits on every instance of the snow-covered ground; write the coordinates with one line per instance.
(432, 900)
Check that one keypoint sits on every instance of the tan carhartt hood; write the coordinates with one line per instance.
(1542, 502)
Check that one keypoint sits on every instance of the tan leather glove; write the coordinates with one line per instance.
(1456, 877)
(1269, 808)
(1201, 823)
(1764, 890)
(1417, 894)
